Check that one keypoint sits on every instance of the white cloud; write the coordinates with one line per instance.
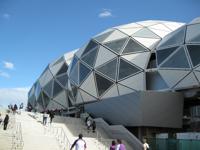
(8, 65)
(4, 74)
(105, 13)
(13, 96)
(6, 16)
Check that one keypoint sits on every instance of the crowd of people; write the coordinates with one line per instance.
(46, 115)
(15, 109)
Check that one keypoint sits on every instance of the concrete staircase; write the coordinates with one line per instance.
(6, 137)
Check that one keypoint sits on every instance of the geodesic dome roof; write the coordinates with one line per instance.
(50, 90)
(178, 57)
(115, 61)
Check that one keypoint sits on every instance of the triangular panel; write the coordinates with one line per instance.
(124, 90)
(46, 99)
(132, 46)
(188, 81)
(197, 74)
(90, 57)
(129, 31)
(104, 55)
(116, 45)
(86, 97)
(126, 69)
(91, 45)
(61, 99)
(63, 80)
(112, 92)
(83, 72)
(161, 33)
(109, 69)
(194, 51)
(54, 69)
(89, 85)
(139, 59)
(103, 84)
(177, 60)
(171, 77)
(74, 74)
(63, 69)
(115, 36)
(148, 42)
(146, 33)
(135, 82)
(56, 89)
(79, 99)
(163, 54)
(48, 88)
(102, 36)
(53, 105)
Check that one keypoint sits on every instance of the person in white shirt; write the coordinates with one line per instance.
(79, 144)
(145, 145)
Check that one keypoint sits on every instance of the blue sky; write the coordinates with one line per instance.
(35, 32)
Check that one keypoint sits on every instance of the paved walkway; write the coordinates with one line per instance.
(34, 135)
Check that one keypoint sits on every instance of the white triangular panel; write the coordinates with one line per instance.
(104, 55)
(198, 68)
(148, 42)
(160, 27)
(89, 85)
(188, 81)
(115, 36)
(130, 25)
(147, 23)
(161, 33)
(54, 69)
(135, 82)
(197, 73)
(129, 31)
(139, 59)
(171, 77)
(173, 25)
(112, 92)
(124, 90)
(86, 97)
(61, 99)
(79, 99)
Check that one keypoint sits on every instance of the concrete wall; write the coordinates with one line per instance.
(156, 109)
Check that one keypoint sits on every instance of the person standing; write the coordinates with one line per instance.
(93, 126)
(120, 145)
(113, 145)
(79, 144)
(145, 145)
(45, 116)
(5, 122)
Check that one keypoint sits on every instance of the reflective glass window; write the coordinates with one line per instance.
(194, 51)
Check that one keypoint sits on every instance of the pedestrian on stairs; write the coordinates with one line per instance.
(113, 145)
(79, 144)
(5, 122)
(120, 145)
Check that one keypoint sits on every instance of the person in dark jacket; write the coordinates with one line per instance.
(5, 122)
(51, 115)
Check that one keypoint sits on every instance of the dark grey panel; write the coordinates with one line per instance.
(63, 69)
(132, 46)
(63, 80)
(91, 45)
(178, 60)
(83, 72)
(109, 69)
(46, 100)
(194, 51)
(48, 88)
(116, 45)
(126, 69)
(154, 81)
(74, 74)
(74, 62)
(56, 89)
(102, 84)
(90, 57)
(164, 53)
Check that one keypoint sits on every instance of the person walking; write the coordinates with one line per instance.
(113, 145)
(51, 115)
(45, 116)
(5, 122)
(79, 144)
(93, 126)
(120, 145)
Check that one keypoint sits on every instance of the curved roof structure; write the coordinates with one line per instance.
(115, 62)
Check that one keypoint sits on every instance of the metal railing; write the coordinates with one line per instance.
(60, 136)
